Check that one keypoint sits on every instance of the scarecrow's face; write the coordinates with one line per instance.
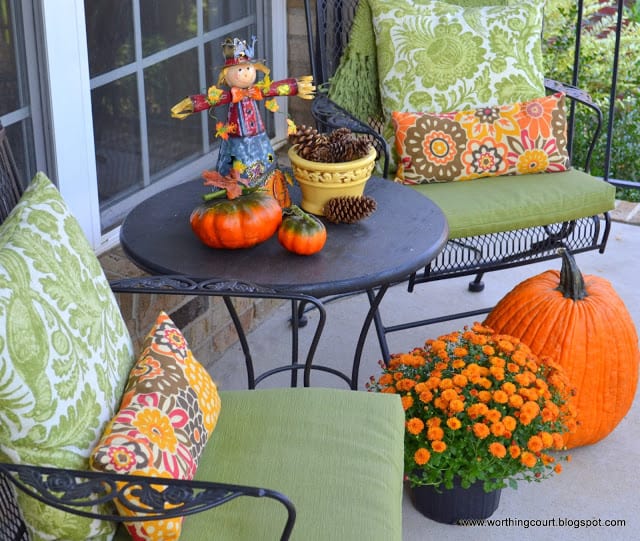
(241, 75)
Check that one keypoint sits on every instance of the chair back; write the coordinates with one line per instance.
(10, 186)
(11, 526)
(331, 34)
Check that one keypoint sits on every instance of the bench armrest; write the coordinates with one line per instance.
(328, 114)
(79, 492)
(579, 96)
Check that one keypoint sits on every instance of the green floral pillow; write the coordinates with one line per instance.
(443, 57)
(65, 351)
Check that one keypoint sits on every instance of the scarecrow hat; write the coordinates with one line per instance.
(237, 51)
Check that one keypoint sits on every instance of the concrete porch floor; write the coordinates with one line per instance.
(602, 481)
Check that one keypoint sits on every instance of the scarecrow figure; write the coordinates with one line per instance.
(245, 149)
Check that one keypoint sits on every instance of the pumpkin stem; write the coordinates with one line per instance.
(571, 281)
(295, 210)
(218, 194)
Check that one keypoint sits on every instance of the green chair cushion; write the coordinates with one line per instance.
(337, 454)
(490, 205)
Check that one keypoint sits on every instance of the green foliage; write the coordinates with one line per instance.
(596, 62)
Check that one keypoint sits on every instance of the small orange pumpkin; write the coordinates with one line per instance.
(582, 324)
(300, 232)
(237, 223)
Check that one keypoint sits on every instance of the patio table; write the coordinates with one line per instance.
(403, 235)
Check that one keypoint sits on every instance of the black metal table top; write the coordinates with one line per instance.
(405, 233)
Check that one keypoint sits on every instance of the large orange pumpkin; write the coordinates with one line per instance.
(237, 223)
(582, 323)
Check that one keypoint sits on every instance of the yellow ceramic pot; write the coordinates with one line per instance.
(320, 182)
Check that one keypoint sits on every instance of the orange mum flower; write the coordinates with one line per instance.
(498, 450)
(421, 456)
(509, 423)
(456, 406)
(415, 426)
(493, 416)
(407, 402)
(449, 394)
(500, 397)
(514, 451)
(558, 440)
(454, 423)
(446, 383)
(535, 444)
(484, 396)
(497, 372)
(481, 430)
(498, 429)
(530, 408)
(433, 382)
(488, 350)
(439, 446)
(476, 410)
(547, 439)
(435, 433)
(405, 384)
(426, 396)
(528, 459)
(513, 367)
(509, 388)
(460, 381)
(516, 401)
(434, 421)
(558, 468)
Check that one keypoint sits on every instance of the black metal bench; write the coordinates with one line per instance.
(329, 25)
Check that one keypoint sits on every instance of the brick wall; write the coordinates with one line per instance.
(204, 320)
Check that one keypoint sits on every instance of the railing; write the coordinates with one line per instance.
(612, 96)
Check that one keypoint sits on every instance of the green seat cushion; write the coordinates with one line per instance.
(337, 454)
(490, 205)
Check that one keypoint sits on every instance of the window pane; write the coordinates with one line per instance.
(170, 140)
(217, 13)
(21, 140)
(166, 22)
(14, 90)
(116, 128)
(109, 34)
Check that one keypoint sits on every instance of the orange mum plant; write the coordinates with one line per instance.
(480, 407)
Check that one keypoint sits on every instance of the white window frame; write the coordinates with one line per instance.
(66, 75)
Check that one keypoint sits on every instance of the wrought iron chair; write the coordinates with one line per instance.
(79, 491)
(328, 27)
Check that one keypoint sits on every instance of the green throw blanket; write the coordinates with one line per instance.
(355, 86)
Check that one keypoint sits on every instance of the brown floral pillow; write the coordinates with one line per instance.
(514, 139)
(168, 411)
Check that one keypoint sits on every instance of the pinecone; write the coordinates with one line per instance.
(349, 209)
(340, 145)
(303, 133)
(353, 148)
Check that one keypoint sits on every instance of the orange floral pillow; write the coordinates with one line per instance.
(168, 411)
(515, 139)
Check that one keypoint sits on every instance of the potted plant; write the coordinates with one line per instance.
(482, 413)
(328, 166)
